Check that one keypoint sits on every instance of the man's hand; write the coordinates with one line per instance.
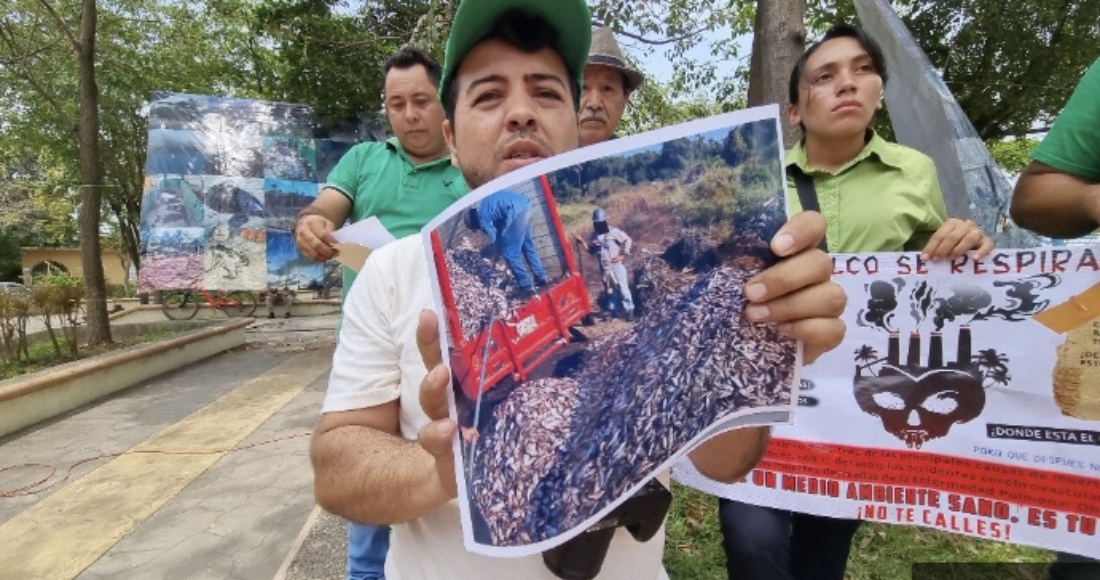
(313, 234)
(955, 238)
(797, 292)
(436, 437)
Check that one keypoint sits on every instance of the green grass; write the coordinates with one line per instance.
(693, 548)
(42, 355)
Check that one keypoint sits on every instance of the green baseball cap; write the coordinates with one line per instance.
(570, 19)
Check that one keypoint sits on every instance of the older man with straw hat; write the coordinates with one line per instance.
(608, 82)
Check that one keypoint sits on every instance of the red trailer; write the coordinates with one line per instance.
(530, 334)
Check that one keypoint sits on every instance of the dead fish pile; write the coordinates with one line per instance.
(642, 395)
(477, 284)
(539, 413)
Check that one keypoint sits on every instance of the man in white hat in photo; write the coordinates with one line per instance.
(608, 82)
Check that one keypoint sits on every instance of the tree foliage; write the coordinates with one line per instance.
(1008, 64)
(328, 58)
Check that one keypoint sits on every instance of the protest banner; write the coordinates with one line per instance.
(965, 397)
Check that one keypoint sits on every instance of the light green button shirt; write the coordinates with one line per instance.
(886, 199)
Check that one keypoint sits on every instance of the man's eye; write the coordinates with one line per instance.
(486, 97)
(548, 94)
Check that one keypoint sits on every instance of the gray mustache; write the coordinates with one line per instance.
(594, 116)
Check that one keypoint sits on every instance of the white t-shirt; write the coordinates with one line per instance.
(376, 362)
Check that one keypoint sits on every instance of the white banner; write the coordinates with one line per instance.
(950, 405)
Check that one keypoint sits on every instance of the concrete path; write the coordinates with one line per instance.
(202, 473)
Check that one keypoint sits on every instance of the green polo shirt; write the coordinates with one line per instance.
(381, 180)
(1073, 143)
(886, 199)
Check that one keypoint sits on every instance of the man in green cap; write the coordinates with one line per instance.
(382, 452)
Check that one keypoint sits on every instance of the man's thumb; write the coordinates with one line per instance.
(436, 438)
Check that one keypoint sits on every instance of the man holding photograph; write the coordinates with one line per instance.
(404, 181)
(382, 452)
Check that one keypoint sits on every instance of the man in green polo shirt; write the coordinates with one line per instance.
(876, 197)
(1058, 195)
(404, 182)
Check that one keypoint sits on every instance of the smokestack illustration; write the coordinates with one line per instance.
(935, 351)
(964, 346)
(914, 350)
(893, 355)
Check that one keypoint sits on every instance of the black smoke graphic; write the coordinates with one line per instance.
(880, 305)
(922, 302)
(968, 300)
(1024, 296)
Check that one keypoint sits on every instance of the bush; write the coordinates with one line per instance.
(58, 298)
(14, 311)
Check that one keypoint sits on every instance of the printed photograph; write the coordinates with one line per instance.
(178, 112)
(594, 319)
(236, 153)
(284, 199)
(171, 259)
(288, 268)
(176, 152)
(172, 202)
(289, 158)
(235, 226)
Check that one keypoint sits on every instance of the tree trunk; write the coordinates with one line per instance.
(779, 37)
(95, 287)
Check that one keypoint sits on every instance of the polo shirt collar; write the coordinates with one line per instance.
(394, 144)
(876, 146)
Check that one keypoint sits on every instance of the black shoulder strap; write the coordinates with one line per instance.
(807, 194)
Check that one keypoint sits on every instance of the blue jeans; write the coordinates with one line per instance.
(515, 243)
(770, 544)
(367, 548)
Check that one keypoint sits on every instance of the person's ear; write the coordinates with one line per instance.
(792, 115)
(449, 137)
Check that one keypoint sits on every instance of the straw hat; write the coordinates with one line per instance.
(605, 51)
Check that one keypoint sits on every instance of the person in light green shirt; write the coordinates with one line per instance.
(875, 196)
(404, 181)
(885, 199)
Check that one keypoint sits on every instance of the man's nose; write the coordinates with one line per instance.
(521, 113)
(592, 101)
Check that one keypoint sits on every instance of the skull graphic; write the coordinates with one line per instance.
(916, 409)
